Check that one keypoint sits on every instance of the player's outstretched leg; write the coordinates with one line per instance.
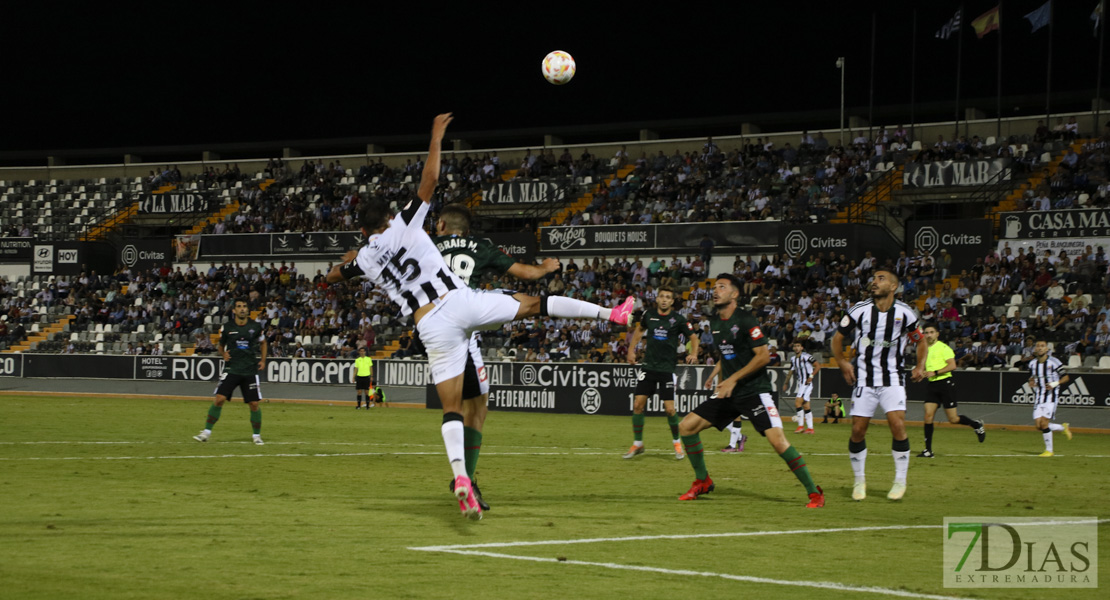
(797, 465)
(570, 308)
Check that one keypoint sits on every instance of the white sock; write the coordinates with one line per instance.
(901, 465)
(452, 432)
(734, 434)
(207, 432)
(859, 462)
(1047, 440)
(809, 419)
(1055, 427)
(569, 308)
(638, 443)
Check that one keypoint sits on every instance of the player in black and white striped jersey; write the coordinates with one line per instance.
(400, 258)
(1046, 375)
(880, 328)
(803, 369)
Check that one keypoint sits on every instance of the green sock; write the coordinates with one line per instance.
(638, 427)
(256, 421)
(695, 454)
(213, 416)
(472, 445)
(798, 466)
(673, 420)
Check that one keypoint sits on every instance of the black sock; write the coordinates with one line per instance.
(1045, 430)
(900, 445)
(856, 447)
(972, 423)
(929, 437)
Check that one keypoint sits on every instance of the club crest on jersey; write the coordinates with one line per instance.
(735, 329)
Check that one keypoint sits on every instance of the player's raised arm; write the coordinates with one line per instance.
(430, 177)
(533, 272)
(347, 269)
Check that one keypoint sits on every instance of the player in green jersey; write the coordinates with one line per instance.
(743, 388)
(664, 326)
(243, 347)
(471, 257)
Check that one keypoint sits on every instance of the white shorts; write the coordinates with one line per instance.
(866, 399)
(446, 329)
(1046, 410)
(803, 391)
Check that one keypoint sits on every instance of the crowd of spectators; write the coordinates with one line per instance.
(1082, 181)
(989, 313)
(804, 183)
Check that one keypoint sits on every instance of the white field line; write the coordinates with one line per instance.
(824, 585)
(640, 538)
(470, 550)
(435, 450)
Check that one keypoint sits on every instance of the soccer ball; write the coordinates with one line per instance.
(558, 67)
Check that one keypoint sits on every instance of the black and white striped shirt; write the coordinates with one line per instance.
(1044, 373)
(404, 262)
(879, 340)
(802, 367)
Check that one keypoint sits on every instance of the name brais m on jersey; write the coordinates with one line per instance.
(1076, 394)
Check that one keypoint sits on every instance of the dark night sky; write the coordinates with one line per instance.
(88, 75)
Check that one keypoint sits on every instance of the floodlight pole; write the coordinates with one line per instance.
(840, 65)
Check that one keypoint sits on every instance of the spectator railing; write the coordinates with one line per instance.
(995, 189)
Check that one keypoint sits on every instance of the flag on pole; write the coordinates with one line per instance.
(952, 26)
(1039, 18)
(1096, 16)
(987, 22)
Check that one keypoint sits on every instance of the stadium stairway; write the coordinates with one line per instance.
(584, 200)
(1010, 203)
(216, 217)
(882, 191)
(40, 336)
(100, 230)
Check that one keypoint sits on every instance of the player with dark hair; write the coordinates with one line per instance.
(803, 368)
(743, 388)
(400, 258)
(1046, 375)
(470, 257)
(939, 365)
(665, 327)
(243, 348)
(880, 327)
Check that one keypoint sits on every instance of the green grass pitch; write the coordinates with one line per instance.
(111, 498)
